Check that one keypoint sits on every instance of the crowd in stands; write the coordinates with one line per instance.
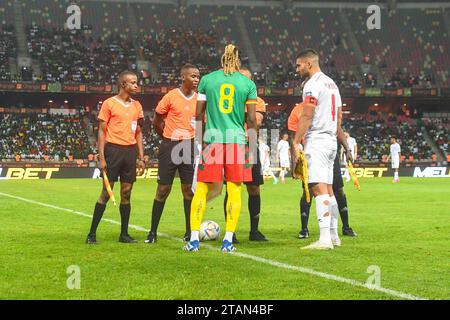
(439, 130)
(273, 128)
(8, 49)
(285, 76)
(343, 78)
(373, 133)
(39, 136)
(78, 57)
(404, 79)
(277, 75)
(412, 52)
(151, 139)
(171, 48)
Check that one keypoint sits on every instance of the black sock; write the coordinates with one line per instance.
(187, 214)
(254, 208)
(304, 212)
(157, 211)
(225, 200)
(341, 200)
(125, 210)
(98, 214)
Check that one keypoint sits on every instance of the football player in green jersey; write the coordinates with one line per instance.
(224, 95)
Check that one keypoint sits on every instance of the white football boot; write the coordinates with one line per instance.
(319, 245)
(336, 242)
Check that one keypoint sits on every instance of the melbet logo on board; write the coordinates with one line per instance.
(28, 173)
(365, 172)
(431, 172)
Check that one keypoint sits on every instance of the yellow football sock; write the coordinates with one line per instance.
(198, 205)
(233, 205)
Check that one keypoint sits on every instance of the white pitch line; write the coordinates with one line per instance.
(274, 263)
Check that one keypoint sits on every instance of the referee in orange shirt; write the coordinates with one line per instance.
(119, 144)
(174, 121)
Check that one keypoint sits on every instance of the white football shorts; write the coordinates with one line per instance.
(320, 158)
(395, 163)
(285, 162)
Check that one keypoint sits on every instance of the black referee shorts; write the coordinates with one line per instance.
(337, 175)
(168, 164)
(257, 176)
(120, 162)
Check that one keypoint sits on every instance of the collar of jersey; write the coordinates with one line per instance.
(316, 74)
(181, 92)
(122, 103)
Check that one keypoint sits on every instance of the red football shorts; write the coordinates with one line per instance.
(229, 161)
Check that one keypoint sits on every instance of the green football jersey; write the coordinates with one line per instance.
(226, 97)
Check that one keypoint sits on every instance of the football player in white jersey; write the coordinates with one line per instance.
(395, 158)
(284, 155)
(264, 155)
(319, 123)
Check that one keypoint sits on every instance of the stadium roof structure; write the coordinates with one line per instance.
(300, 3)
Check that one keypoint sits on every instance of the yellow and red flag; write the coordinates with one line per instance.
(108, 188)
(301, 172)
(353, 175)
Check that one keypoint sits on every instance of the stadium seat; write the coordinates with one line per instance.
(414, 35)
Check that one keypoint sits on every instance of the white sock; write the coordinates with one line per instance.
(195, 235)
(334, 210)
(396, 175)
(228, 236)
(324, 217)
(282, 174)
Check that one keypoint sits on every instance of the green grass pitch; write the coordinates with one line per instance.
(403, 229)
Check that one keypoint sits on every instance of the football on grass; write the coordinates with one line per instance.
(209, 230)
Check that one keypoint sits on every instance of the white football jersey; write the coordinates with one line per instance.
(324, 93)
(283, 149)
(351, 144)
(263, 152)
(395, 151)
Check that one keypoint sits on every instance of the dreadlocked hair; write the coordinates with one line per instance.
(230, 59)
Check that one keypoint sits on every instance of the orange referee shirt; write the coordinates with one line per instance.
(180, 112)
(260, 107)
(294, 117)
(121, 120)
